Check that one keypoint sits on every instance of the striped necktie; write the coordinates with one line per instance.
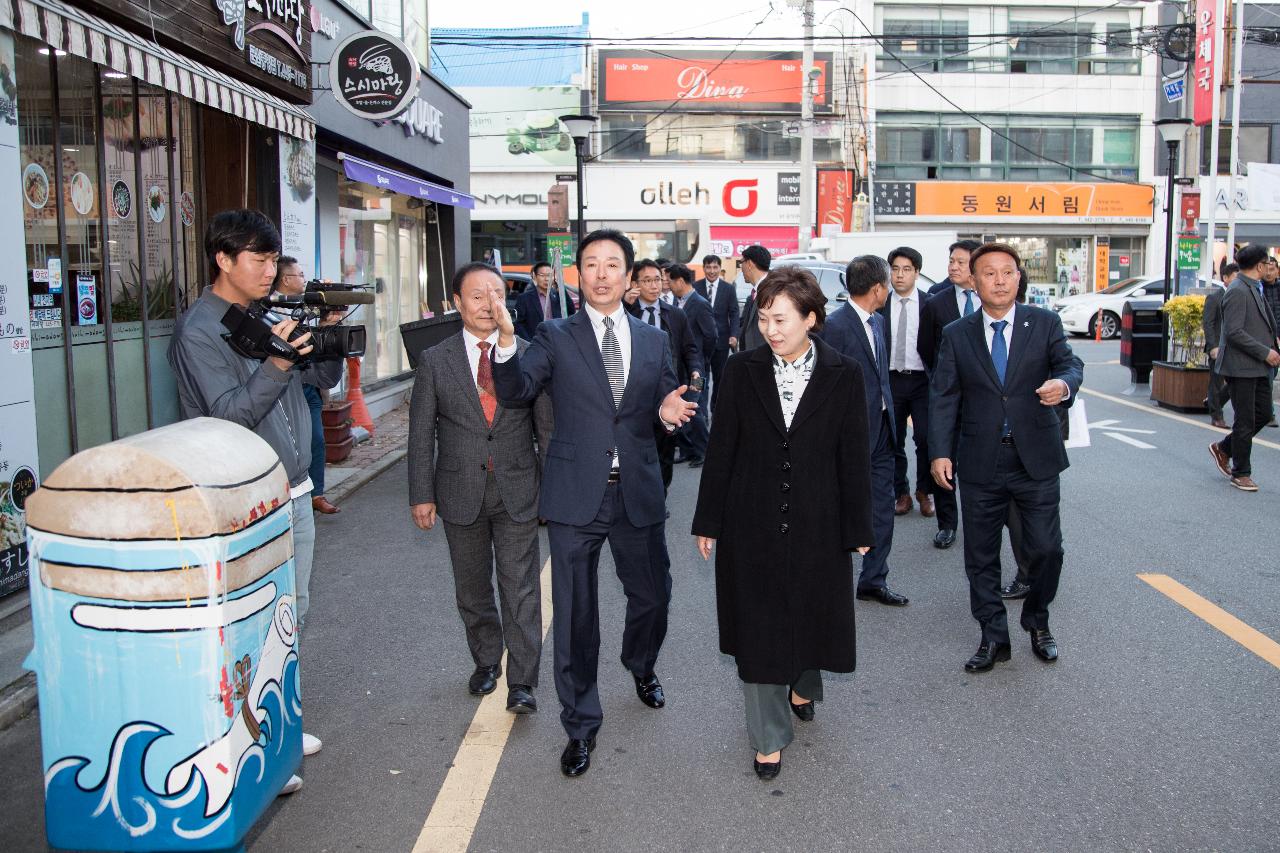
(613, 362)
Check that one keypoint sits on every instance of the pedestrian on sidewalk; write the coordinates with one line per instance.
(1211, 324)
(610, 379)
(216, 381)
(783, 501)
(1249, 352)
(1271, 293)
(476, 464)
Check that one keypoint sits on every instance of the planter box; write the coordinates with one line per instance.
(334, 435)
(1178, 387)
(335, 453)
(336, 413)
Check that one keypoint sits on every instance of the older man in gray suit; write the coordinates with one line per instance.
(1248, 352)
(483, 483)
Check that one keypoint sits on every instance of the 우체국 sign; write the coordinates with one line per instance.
(374, 75)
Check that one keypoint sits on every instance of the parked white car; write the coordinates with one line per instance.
(1079, 313)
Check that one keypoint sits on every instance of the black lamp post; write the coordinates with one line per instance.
(579, 127)
(1172, 131)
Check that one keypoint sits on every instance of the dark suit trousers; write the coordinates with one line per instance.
(944, 503)
(986, 510)
(472, 548)
(640, 556)
(1014, 523)
(718, 358)
(1218, 396)
(694, 435)
(666, 454)
(875, 564)
(1251, 400)
(911, 399)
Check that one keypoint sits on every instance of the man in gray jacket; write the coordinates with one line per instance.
(264, 396)
(1248, 350)
(475, 463)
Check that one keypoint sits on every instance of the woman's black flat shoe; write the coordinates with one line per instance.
(804, 711)
(767, 771)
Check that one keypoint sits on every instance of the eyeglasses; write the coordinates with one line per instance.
(649, 280)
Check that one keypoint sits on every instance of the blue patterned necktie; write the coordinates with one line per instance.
(968, 302)
(1000, 357)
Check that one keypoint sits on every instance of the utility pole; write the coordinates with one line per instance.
(1208, 262)
(808, 180)
(1237, 83)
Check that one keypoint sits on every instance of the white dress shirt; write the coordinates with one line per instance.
(792, 378)
(711, 290)
(912, 307)
(863, 317)
(644, 312)
(990, 335)
(960, 292)
(620, 330)
(473, 351)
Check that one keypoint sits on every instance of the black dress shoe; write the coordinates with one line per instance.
(987, 655)
(767, 771)
(484, 680)
(1015, 589)
(520, 699)
(1044, 645)
(804, 711)
(650, 691)
(944, 539)
(883, 595)
(576, 758)
(695, 463)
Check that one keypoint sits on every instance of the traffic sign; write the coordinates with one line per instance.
(566, 179)
(1174, 91)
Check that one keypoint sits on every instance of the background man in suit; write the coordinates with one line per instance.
(643, 300)
(1247, 355)
(1211, 323)
(855, 330)
(610, 378)
(723, 297)
(1000, 373)
(945, 306)
(902, 314)
(957, 265)
(483, 483)
(755, 266)
(533, 305)
(702, 324)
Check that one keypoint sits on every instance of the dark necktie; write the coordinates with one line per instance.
(968, 302)
(1000, 358)
(653, 319)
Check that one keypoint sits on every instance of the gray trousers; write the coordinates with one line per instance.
(769, 710)
(304, 546)
(472, 549)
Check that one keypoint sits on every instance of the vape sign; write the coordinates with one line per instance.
(374, 75)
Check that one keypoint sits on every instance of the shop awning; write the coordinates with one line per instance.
(75, 31)
(389, 179)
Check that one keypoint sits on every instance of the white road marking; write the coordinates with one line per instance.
(1108, 424)
(1141, 445)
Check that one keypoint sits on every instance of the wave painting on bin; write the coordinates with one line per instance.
(162, 591)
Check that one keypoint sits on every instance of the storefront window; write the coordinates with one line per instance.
(382, 238)
(645, 136)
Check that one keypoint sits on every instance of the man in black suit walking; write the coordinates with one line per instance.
(1248, 351)
(903, 313)
(723, 298)
(539, 303)
(945, 306)
(856, 331)
(1000, 372)
(702, 324)
(755, 266)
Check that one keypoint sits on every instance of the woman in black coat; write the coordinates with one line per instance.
(786, 493)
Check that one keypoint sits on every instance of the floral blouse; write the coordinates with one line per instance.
(792, 379)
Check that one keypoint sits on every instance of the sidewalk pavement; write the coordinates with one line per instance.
(367, 460)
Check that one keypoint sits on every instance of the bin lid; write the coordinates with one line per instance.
(192, 479)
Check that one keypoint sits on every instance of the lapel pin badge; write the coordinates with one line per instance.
(1026, 323)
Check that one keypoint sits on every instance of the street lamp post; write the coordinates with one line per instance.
(1172, 131)
(579, 127)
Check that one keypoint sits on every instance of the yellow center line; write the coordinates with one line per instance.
(1152, 410)
(461, 798)
(1251, 638)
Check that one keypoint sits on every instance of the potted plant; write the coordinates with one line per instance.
(1182, 382)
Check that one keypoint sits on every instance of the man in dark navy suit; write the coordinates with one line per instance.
(723, 298)
(856, 331)
(903, 313)
(610, 380)
(702, 323)
(533, 305)
(1000, 373)
(945, 306)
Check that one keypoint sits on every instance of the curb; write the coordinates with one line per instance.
(344, 489)
(17, 700)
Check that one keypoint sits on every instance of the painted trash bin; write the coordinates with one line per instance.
(162, 596)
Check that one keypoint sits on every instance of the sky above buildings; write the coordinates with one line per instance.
(613, 19)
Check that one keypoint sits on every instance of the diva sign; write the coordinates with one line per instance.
(751, 81)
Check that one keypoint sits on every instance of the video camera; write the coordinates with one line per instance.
(249, 329)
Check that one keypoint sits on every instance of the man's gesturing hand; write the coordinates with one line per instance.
(675, 409)
(1052, 392)
(498, 307)
(943, 473)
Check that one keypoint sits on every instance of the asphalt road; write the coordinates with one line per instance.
(1155, 731)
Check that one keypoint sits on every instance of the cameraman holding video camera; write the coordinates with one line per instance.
(260, 390)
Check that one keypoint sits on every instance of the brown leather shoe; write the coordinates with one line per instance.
(1244, 484)
(1221, 459)
(321, 504)
(1219, 423)
(903, 505)
(926, 504)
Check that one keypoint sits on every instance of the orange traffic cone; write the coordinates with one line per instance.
(1097, 333)
(355, 396)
